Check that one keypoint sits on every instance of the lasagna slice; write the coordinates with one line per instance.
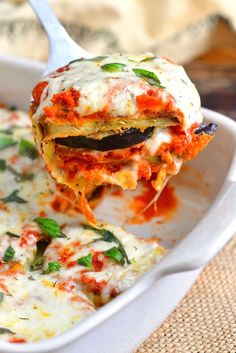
(114, 120)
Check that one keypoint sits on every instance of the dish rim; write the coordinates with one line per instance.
(177, 260)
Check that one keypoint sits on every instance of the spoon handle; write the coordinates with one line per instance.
(62, 48)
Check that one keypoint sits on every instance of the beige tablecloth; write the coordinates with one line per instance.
(205, 321)
(180, 29)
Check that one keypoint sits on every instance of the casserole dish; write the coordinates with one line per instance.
(204, 222)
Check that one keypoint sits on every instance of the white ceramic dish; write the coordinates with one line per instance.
(204, 222)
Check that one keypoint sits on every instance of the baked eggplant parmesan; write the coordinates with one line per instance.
(114, 120)
(54, 270)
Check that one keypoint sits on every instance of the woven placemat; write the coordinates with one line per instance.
(205, 321)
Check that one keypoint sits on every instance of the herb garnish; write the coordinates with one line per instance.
(108, 236)
(6, 141)
(6, 131)
(96, 58)
(37, 264)
(53, 266)
(50, 227)
(115, 254)
(13, 197)
(113, 67)
(9, 254)
(6, 330)
(149, 76)
(13, 235)
(27, 149)
(2, 165)
(1, 297)
(86, 261)
(148, 59)
(20, 177)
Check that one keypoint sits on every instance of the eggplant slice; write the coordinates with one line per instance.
(209, 129)
(129, 138)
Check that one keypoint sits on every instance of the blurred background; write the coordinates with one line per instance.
(201, 34)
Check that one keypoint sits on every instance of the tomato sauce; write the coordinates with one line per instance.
(165, 206)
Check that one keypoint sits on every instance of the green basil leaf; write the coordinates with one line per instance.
(13, 197)
(96, 58)
(113, 67)
(13, 235)
(13, 108)
(6, 141)
(31, 278)
(27, 149)
(108, 236)
(6, 330)
(1, 297)
(20, 177)
(52, 267)
(9, 254)
(115, 254)
(50, 227)
(3, 165)
(148, 59)
(86, 261)
(37, 264)
(6, 131)
(149, 76)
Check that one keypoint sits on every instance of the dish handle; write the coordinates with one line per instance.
(207, 238)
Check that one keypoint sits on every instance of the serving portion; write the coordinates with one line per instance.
(54, 270)
(114, 120)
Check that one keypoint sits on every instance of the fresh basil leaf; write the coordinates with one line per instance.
(6, 330)
(6, 131)
(108, 236)
(13, 108)
(96, 58)
(151, 58)
(149, 76)
(27, 149)
(3, 165)
(31, 278)
(52, 267)
(50, 227)
(115, 254)
(37, 264)
(6, 141)
(113, 67)
(1, 297)
(9, 254)
(20, 177)
(13, 197)
(86, 261)
(13, 235)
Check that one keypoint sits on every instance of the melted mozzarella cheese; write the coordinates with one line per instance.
(159, 136)
(35, 305)
(117, 91)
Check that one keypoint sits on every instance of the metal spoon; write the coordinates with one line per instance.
(62, 48)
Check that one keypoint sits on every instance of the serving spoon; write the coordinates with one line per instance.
(63, 50)
(62, 47)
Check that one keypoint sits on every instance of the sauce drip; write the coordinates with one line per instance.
(165, 206)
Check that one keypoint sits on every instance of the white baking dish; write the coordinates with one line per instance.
(205, 221)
